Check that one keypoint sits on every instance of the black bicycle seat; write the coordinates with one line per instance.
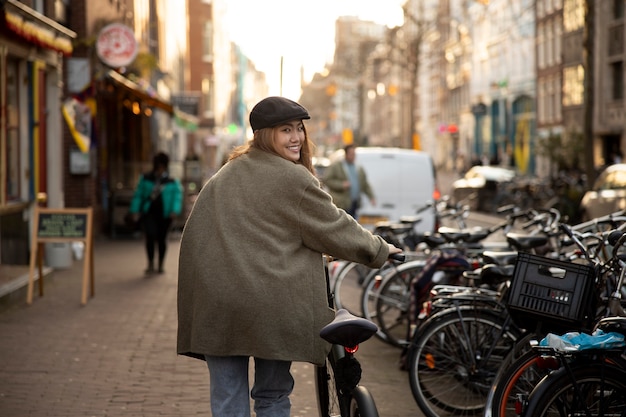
(525, 242)
(452, 235)
(492, 274)
(347, 329)
(500, 258)
(412, 220)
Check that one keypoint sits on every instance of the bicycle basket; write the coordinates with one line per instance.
(557, 293)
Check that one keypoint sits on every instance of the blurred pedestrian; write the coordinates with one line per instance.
(251, 277)
(347, 181)
(157, 200)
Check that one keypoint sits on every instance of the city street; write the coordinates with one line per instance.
(516, 108)
(116, 355)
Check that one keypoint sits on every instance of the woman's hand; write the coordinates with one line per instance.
(395, 254)
(393, 249)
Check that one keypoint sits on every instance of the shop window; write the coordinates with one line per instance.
(12, 147)
(39, 6)
(207, 42)
(60, 10)
(618, 9)
(573, 15)
(208, 85)
(573, 85)
(617, 80)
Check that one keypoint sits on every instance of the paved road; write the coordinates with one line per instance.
(116, 356)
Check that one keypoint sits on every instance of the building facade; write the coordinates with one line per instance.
(34, 40)
(225, 83)
(79, 126)
(120, 55)
(609, 116)
(499, 81)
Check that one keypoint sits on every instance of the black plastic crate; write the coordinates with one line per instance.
(557, 293)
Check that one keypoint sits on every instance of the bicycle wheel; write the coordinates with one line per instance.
(370, 295)
(349, 287)
(334, 269)
(520, 377)
(327, 398)
(362, 403)
(591, 390)
(455, 356)
(374, 282)
(392, 303)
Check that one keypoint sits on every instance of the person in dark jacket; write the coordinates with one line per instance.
(158, 199)
(251, 277)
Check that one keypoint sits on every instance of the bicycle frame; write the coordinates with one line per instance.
(338, 387)
(343, 388)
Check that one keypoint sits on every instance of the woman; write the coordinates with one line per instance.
(159, 199)
(251, 277)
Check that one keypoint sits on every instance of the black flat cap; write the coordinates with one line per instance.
(272, 111)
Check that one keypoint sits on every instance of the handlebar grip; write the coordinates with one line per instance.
(400, 257)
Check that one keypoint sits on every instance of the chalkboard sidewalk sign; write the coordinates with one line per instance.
(61, 225)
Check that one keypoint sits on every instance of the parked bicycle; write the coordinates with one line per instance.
(349, 280)
(393, 303)
(590, 381)
(337, 382)
(458, 350)
(520, 372)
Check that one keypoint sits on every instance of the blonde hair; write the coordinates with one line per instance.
(264, 140)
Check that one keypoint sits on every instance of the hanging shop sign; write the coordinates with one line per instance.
(116, 45)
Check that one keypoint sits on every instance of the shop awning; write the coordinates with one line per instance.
(36, 28)
(142, 93)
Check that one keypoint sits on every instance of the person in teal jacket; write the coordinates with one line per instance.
(158, 199)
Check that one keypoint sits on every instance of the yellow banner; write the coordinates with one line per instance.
(78, 118)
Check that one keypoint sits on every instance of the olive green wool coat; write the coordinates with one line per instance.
(251, 277)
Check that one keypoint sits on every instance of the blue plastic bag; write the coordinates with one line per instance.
(574, 341)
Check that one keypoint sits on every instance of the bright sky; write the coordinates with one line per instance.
(302, 32)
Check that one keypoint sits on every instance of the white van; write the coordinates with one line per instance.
(403, 181)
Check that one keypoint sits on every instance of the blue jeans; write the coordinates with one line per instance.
(230, 388)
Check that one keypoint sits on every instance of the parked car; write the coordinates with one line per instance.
(608, 194)
(480, 186)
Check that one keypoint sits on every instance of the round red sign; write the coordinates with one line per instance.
(116, 45)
